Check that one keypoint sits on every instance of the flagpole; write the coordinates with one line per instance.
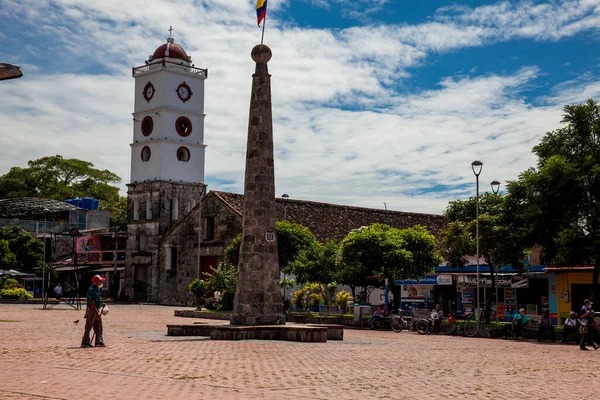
(263, 31)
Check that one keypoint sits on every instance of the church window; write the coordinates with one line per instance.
(183, 125)
(148, 209)
(146, 154)
(136, 210)
(210, 228)
(147, 126)
(183, 154)
(171, 261)
(174, 209)
(142, 243)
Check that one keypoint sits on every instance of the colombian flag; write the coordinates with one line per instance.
(261, 10)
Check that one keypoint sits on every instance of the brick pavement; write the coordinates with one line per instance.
(40, 358)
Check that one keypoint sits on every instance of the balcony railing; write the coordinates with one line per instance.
(100, 257)
(41, 227)
(168, 65)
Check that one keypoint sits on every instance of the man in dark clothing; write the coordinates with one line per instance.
(93, 314)
(587, 330)
(545, 325)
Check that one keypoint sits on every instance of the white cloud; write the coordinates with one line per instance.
(345, 131)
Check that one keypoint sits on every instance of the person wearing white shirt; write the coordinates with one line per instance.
(58, 291)
(570, 326)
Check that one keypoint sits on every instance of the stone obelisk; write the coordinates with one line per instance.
(257, 294)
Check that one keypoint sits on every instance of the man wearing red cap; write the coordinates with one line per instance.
(93, 313)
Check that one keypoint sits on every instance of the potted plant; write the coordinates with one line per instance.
(315, 300)
(197, 288)
(299, 298)
(342, 300)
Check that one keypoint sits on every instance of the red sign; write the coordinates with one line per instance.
(552, 287)
(500, 311)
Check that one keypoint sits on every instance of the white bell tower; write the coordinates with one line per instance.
(168, 129)
(167, 171)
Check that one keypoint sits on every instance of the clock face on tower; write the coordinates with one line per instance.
(148, 91)
(184, 92)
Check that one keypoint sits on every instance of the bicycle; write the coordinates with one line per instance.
(470, 325)
(398, 322)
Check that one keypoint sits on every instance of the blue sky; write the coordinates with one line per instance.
(385, 101)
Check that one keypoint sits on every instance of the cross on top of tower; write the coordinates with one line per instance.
(170, 31)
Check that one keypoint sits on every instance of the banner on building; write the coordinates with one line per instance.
(428, 280)
(502, 281)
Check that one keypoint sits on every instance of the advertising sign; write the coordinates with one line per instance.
(467, 301)
(427, 280)
(486, 281)
(501, 311)
(416, 293)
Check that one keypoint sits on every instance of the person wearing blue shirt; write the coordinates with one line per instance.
(519, 322)
(587, 325)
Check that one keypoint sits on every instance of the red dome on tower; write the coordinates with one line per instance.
(170, 49)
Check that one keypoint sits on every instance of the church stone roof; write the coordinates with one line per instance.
(333, 221)
(33, 208)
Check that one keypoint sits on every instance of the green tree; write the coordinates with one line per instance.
(291, 239)
(559, 200)
(224, 279)
(500, 243)
(391, 252)
(7, 257)
(55, 177)
(27, 250)
(319, 264)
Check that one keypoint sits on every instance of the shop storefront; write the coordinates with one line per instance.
(456, 290)
(427, 292)
(570, 286)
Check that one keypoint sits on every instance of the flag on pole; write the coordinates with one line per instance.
(261, 10)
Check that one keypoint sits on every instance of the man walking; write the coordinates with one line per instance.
(93, 314)
(587, 326)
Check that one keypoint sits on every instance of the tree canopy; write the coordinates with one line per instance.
(396, 253)
(318, 263)
(291, 239)
(557, 204)
(20, 250)
(55, 177)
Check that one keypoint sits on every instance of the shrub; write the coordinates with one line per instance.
(11, 283)
(342, 298)
(299, 297)
(226, 302)
(197, 288)
(15, 293)
(316, 299)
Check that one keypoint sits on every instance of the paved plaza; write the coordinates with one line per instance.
(40, 358)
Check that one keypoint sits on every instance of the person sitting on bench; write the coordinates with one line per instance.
(570, 326)
(519, 323)
(545, 325)
(378, 314)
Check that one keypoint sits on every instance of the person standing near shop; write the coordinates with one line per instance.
(93, 314)
(587, 325)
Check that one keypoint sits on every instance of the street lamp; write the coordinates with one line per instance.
(46, 211)
(115, 289)
(285, 198)
(9, 71)
(202, 190)
(477, 166)
(495, 186)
